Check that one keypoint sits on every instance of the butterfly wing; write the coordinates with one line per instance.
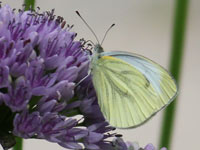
(130, 88)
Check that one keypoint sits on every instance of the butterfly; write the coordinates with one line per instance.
(130, 88)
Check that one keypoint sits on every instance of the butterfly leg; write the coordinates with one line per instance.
(82, 80)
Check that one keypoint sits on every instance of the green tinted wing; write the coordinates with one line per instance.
(126, 96)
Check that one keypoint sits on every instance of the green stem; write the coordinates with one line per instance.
(19, 144)
(29, 4)
(175, 68)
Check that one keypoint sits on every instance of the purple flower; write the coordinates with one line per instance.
(26, 124)
(70, 138)
(4, 72)
(40, 64)
(46, 105)
(18, 95)
(53, 125)
(119, 144)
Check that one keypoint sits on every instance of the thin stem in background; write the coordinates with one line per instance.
(29, 4)
(177, 48)
(19, 141)
(19, 144)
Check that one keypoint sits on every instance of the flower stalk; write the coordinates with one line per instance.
(177, 51)
(19, 144)
(29, 4)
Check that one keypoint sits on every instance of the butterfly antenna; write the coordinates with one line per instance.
(88, 26)
(107, 32)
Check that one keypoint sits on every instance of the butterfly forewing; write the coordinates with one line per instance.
(160, 79)
(129, 90)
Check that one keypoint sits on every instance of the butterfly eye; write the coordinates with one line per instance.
(99, 57)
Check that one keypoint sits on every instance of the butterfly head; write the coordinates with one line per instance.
(96, 53)
(98, 49)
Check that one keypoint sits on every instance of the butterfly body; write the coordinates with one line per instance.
(130, 88)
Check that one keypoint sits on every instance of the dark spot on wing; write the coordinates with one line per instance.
(147, 83)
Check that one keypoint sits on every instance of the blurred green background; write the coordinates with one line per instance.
(144, 27)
